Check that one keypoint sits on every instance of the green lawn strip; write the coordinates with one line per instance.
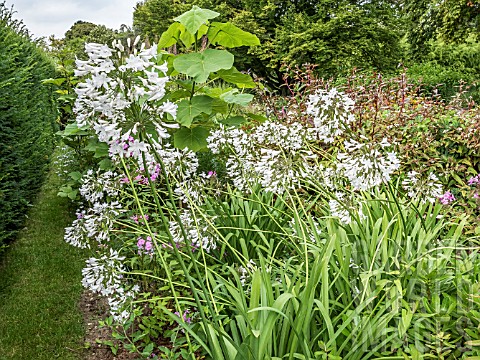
(40, 285)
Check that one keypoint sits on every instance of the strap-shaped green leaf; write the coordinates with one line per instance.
(228, 35)
(200, 65)
(195, 18)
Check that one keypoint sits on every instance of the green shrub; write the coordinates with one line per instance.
(27, 115)
(447, 66)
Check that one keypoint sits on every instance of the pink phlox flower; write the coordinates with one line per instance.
(476, 196)
(135, 218)
(148, 246)
(140, 243)
(138, 178)
(474, 180)
(124, 180)
(212, 174)
(447, 198)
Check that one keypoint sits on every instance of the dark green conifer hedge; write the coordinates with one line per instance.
(27, 120)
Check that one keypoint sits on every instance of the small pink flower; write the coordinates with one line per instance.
(135, 218)
(447, 198)
(474, 180)
(125, 180)
(148, 246)
(212, 174)
(140, 243)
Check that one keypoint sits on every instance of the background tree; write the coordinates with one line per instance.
(451, 21)
(334, 34)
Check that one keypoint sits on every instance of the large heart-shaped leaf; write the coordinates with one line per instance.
(195, 18)
(233, 121)
(236, 77)
(195, 138)
(219, 106)
(176, 32)
(189, 109)
(200, 65)
(228, 35)
(171, 35)
(232, 97)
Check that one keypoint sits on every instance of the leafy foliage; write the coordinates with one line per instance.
(335, 36)
(297, 239)
(27, 115)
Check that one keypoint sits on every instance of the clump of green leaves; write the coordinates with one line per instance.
(207, 86)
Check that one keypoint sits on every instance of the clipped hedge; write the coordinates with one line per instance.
(27, 120)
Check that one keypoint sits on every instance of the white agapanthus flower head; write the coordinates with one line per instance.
(423, 188)
(104, 275)
(332, 112)
(367, 165)
(346, 208)
(273, 155)
(199, 234)
(120, 93)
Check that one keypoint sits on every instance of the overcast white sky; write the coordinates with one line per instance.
(47, 17)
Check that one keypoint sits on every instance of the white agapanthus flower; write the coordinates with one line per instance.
(112, 85)
(331, 112)
(104, 276)
(273, 155)
(346, 208)
(198, 233)
(98, 186)
(424, 189)
(367, 165)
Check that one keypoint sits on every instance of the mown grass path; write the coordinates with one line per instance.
(40, 286)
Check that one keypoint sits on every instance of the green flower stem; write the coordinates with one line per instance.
(165, 266)
(187, 242)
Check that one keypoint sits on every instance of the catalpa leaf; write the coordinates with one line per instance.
(171, 35)
(228, 35)
(189, 109)
(200, 65)
(195, 18)
(232, 97)
(233, 121)
(176, 32)
(236, 77)
(195, 138)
